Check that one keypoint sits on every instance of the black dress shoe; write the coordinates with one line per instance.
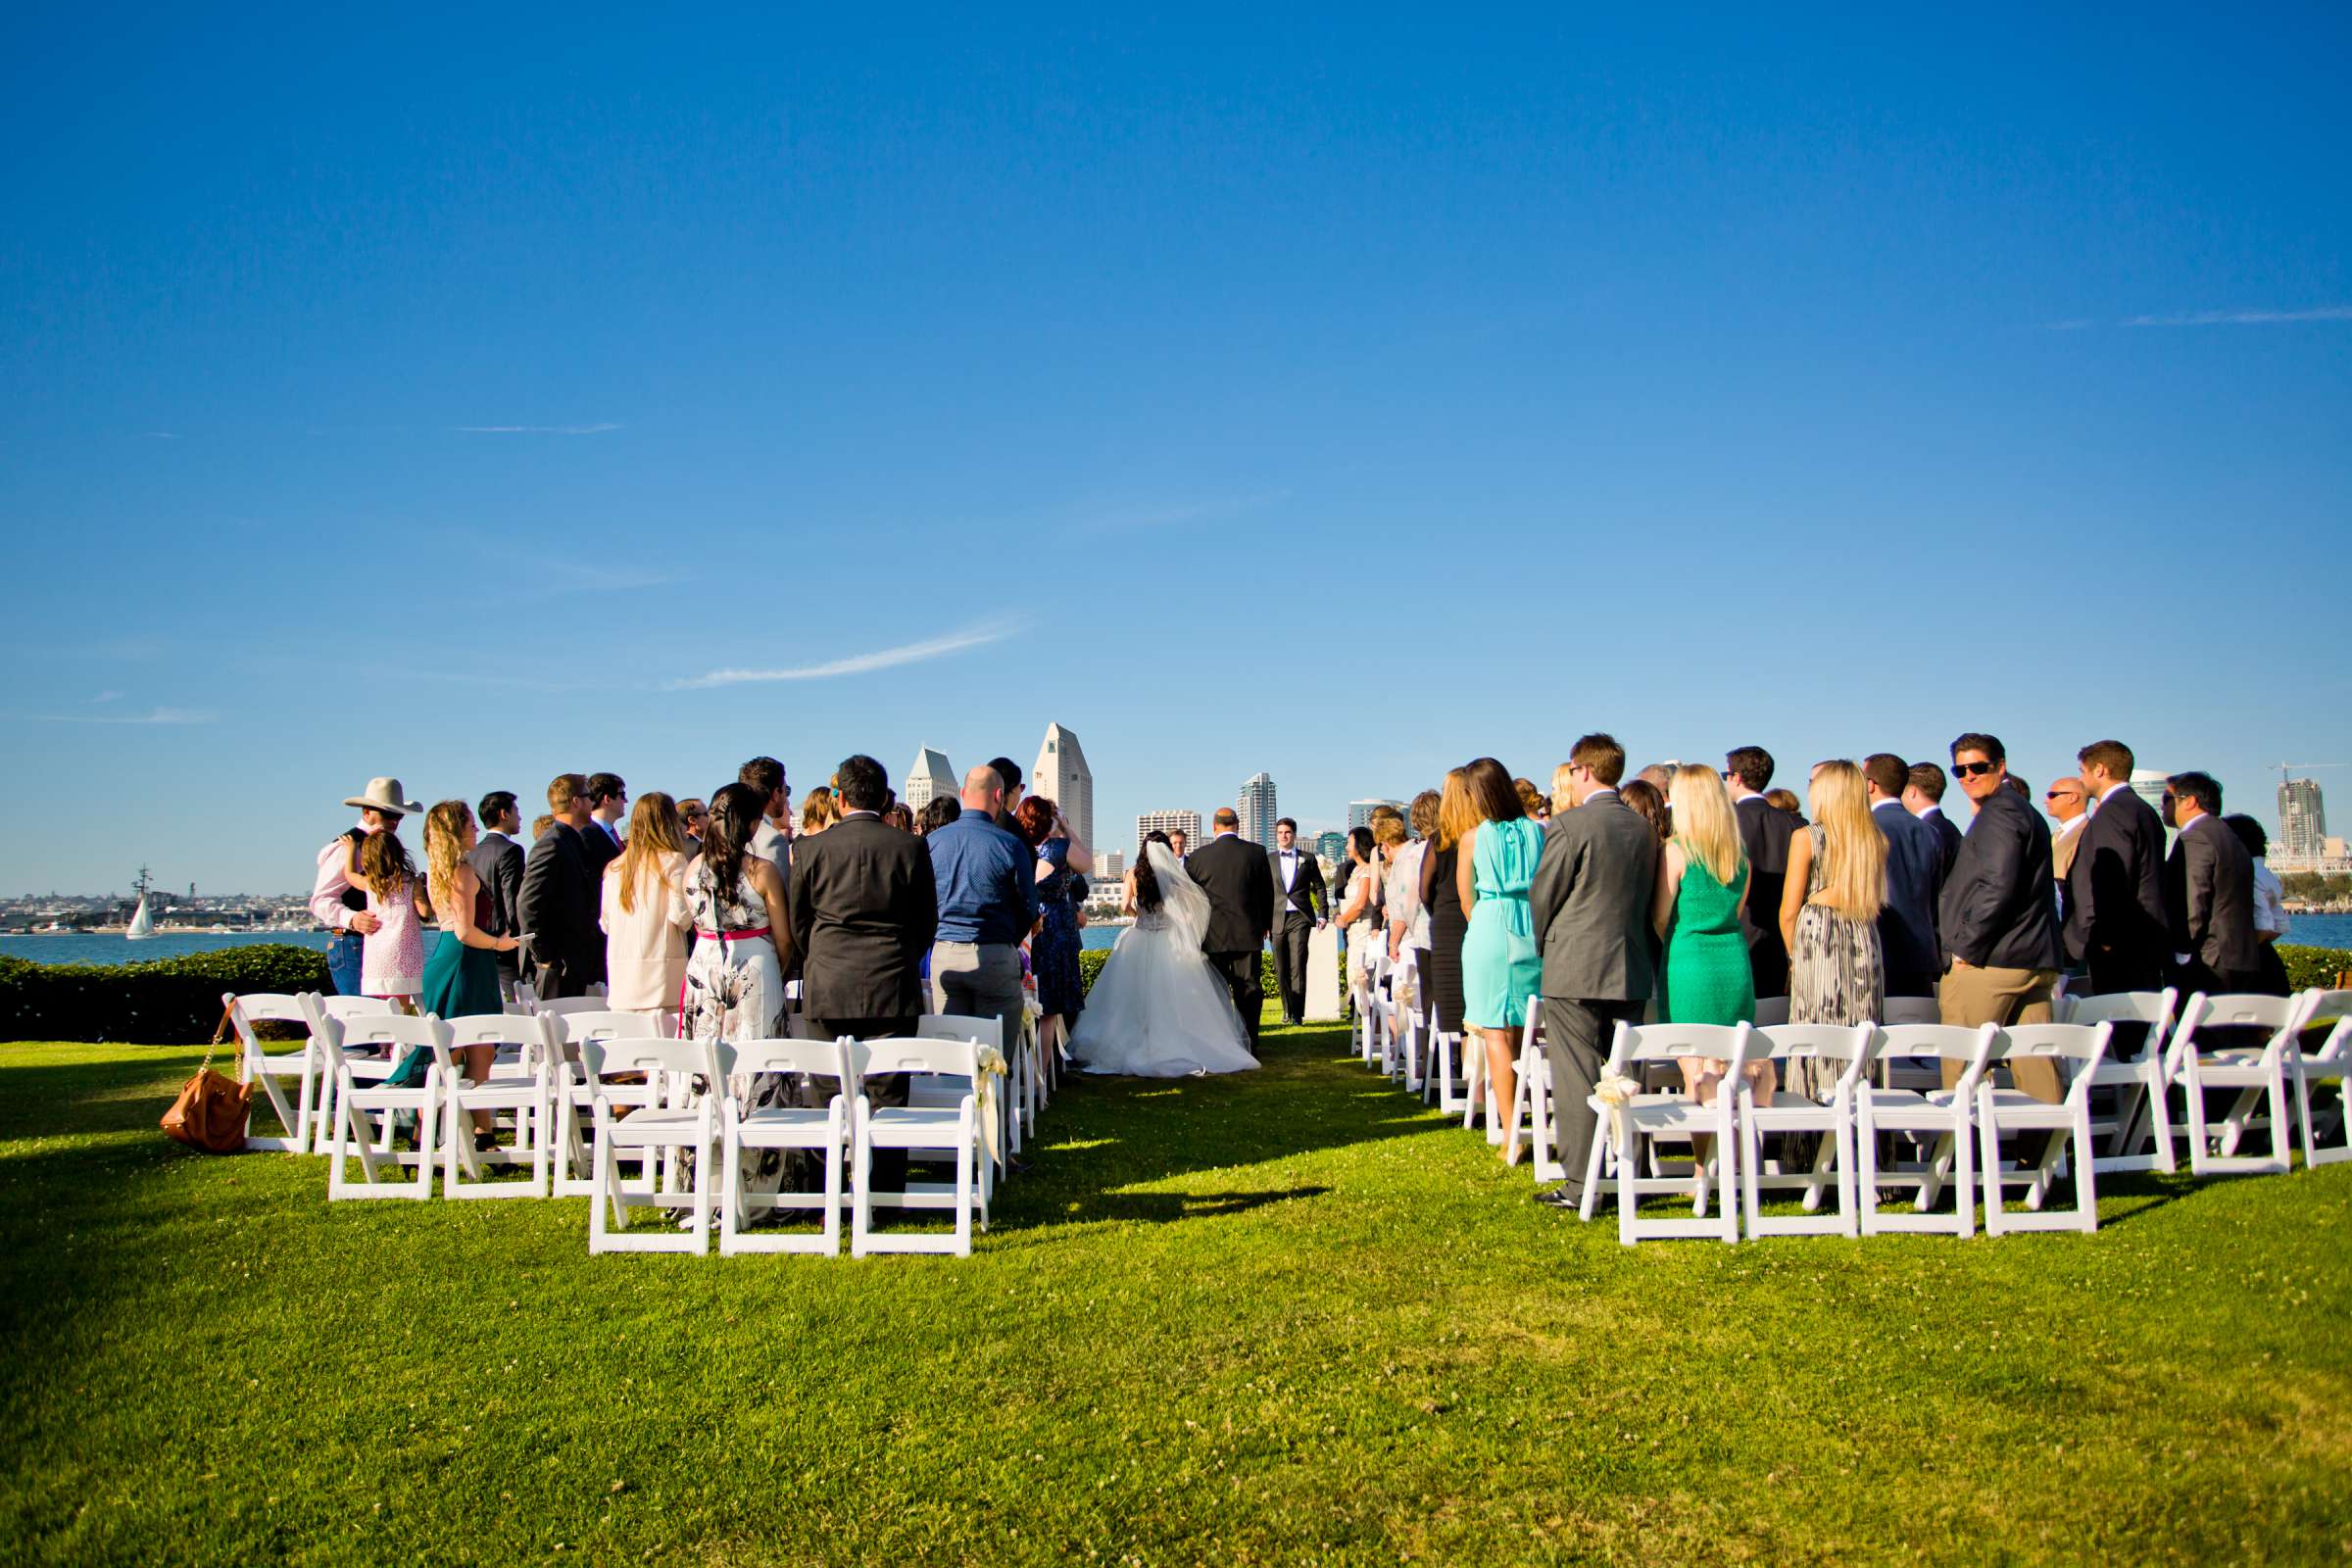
(1561, 1198)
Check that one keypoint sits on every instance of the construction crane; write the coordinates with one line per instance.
(2284, 768)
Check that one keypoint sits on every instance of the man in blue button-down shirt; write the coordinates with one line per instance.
(987, 882)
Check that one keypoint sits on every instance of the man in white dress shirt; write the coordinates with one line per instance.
(1298, 915)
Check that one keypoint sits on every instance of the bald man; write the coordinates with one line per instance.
(987, 881)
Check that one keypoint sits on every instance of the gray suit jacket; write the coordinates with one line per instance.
(2209, 895)
(1590, 903)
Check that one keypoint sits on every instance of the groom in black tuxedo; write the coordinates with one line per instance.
(1231, 871)
(1299, 905)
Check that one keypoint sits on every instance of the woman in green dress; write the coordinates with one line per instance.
(460, 977)
(1701, 885)
(1502, 966)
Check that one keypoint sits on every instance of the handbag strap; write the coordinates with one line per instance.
(220, 1033)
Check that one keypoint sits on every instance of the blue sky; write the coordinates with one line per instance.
(452, 394)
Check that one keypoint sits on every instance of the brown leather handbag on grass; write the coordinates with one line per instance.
(211, 1110)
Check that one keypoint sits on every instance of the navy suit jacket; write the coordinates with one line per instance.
(1914, 878)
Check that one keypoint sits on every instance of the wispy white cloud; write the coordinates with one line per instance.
(2324, 312)
(163, 435)
(855, 664)
(154, 715)
(533, 429)
(106, 697)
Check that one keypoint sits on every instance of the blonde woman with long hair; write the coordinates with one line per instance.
(645, 916)
(1701, 887)
(461, 978)
(1830, 913)
(1448, 916)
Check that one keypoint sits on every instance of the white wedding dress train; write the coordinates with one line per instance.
(1157, 1010)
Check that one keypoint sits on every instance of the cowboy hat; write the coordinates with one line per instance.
(385, 795)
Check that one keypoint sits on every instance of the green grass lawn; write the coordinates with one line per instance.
(1285, 1316)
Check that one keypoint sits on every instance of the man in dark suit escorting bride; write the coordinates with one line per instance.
(1231, 871)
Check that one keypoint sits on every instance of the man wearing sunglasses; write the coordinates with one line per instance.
(1999, 913)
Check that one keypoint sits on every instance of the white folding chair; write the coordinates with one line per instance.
(824, 1132)
(2333, 1059)
(1941, 1118)
(568, 1006)
(2139, 1135)
(1441, 1085)
(364, 1068)
(2009, 1110)
(928, 1129)
(687, 1126)
(258, 1066)
(1533, 1096)
(572, 1088)
(2259, 1075)
(359, 1099)
(1925, 1077)
(521, 1095)
(944, 1091)
(1850, 1049)
(1649, 1116)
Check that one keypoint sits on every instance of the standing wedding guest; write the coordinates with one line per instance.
(1658, 776)
(2208, 893)
(2069, 807)
(558, 902)
(691, 814)
(338, 905)
(1010, 772)
(987, 883)
(600, 840)
(764, 777)
(539, 826)
(735, 975)
(1532, 801)
(1448, 917)
(1591, 905)
(1998, 914)
(1053, 950)
(1704, 976)
(461, 978)
(644, 913)
(1178, 843)
(901, 815)
(1829, 914)
(2270, 905)
(942, 810)
(392, 962)
(820, 811)
(1786, 801)
(1502, 966)
(1408, 915)
(1764, 834)
(1908, 944)
(497, 861)
(1231, 871)
(864, 908)
(1646, 800)
(1359, 907)
(2116, 923)
(1300, 902)
(1923, 798)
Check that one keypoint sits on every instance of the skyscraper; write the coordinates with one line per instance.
(1360, 812)
(2302, 819)
(1256, 807)
(1062, 778)
(1331, 846)
(928, 779)
(1186, 823)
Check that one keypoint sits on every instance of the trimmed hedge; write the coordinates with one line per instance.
(2313, 968)
(161, 1002)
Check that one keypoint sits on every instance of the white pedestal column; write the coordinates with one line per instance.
(1323, 976)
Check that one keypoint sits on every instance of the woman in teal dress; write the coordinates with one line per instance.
(1501, 964)
(1703, 882)
(460, 977)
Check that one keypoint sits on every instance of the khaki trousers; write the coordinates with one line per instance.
(1973, 998)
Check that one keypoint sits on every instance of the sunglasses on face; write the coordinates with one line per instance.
(1971, 769)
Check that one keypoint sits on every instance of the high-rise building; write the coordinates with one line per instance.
(1062, 778)
(927, 780)
(2302, 819)
(1257, 809)
(1360, 812)
(1110, 866)
(2148, 784)
(1330, 847)
(1186, 823)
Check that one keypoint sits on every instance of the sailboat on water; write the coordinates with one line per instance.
(142, 920)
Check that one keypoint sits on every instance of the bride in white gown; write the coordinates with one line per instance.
(1157, 1010)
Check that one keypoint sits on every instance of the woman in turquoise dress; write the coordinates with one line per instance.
(1501, 964)
(460, 977)
(1705, 976)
